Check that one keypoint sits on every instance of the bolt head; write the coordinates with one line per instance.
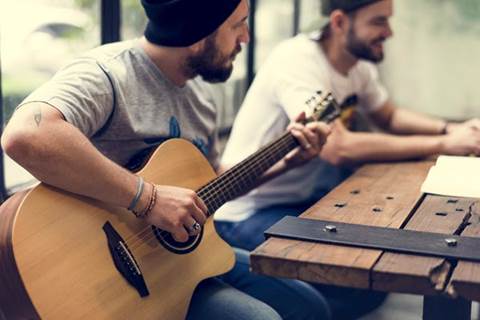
(451, 242)
(330, 228)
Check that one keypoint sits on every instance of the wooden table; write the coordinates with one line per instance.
(385, 195)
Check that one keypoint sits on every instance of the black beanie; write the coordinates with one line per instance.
(181, 23)
(328, 6)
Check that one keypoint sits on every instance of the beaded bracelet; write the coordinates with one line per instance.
(151, 204)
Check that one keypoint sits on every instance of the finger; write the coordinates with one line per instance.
(338, 122)
(192, 226)
(302, 140)
(197, 214)
(475, 123)
(300, 117)
(201, 212)
(298, 122)
(316, 134)
(321, 131)
(294, 125)
(180, 234)
(292, 154)
(324, 128)
(312, 138)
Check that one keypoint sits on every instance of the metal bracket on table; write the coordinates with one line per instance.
(389, 239)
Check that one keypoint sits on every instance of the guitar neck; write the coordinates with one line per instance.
(242, 177)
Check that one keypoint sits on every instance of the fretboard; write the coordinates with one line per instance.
(242, 177)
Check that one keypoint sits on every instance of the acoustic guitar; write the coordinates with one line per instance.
(65, 256)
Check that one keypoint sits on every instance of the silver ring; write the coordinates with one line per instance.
(195, 227)
(308, 146)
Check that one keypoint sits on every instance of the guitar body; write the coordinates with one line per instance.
(55, 262)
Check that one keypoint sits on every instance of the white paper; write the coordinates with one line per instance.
(454, 176)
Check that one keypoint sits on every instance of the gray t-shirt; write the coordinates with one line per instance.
(119, 99)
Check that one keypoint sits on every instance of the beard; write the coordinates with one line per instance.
(363, 50)
(210, 64)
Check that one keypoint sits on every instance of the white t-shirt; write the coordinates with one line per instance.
(296, 69)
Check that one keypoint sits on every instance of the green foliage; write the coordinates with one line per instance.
(470, 9)
(85, 3)
(133, 17)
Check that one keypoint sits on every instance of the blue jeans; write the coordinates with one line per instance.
(242, 295)
(214, 299)
(344, 303)
(248, 234)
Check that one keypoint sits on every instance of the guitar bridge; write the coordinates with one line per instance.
(124, 260)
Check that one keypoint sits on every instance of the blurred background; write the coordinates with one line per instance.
(431, 62)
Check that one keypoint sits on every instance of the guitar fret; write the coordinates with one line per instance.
(235, 181)
(244, 175)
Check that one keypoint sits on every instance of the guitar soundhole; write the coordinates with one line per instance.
(168, 242)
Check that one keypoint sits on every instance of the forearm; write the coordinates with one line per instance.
(60, 155)
(409, 122)
(364, 147)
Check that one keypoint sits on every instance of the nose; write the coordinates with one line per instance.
(388, 31)
(245, 36)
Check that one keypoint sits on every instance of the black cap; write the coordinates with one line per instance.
(181, 23)
(328, 6)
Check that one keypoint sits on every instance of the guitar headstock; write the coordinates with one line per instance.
(322, 107)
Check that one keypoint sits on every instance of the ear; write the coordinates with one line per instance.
(339, 21)
(197, 46)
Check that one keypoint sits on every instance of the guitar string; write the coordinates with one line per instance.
(149, 234)
(222, 181)
(210, 194)
(232, 175)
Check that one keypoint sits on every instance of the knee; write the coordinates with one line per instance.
(214, 299)
(312, 309)
(309, 304)
(263, 311)
(247, 309)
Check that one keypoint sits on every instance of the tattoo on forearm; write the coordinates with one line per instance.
(37, 115)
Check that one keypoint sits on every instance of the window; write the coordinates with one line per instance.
(37, 37)
(274, 23)
(431, 63)
(133, 19)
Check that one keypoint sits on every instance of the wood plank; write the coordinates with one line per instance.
(465, 281)
(379, 195)
(420, 274)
